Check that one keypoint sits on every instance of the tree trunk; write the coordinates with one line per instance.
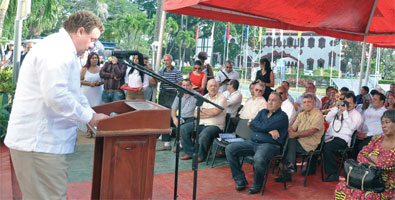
(3, 10)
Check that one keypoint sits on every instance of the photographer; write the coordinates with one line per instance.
(343, 120)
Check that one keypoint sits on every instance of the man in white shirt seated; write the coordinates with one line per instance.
(343, 121)
(212, 121)
(287, 106)
(250, 109)
(224, 76)
(371, 122)
(310, 88)
(234, 98)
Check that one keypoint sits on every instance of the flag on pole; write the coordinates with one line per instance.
(196, 33)
(224, 37)
(212, 32)
(299, 34)
(227, 32)
(260, 34)
(246, 33)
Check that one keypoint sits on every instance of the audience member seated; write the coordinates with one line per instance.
(188, 105)
(331, 103)
(254, 104)
(285, 84)
(234, 98)
(392, 87)
(252, 85)
(390, 104)
(343, 121)
(304, 135)
(371, 125)
(224, 76)
(287, 106)
(310, 88)
(269, 132)
(364, 91)
(328, 95)
(380, 152)
(212, 121)
(344, 90)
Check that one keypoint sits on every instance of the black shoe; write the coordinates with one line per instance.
(241, 184)
(254, 190)
(283, 178)
(311, 172)
(290, 168)
(332, 178)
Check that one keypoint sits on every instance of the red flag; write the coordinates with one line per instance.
(196, 33)
(227, 32)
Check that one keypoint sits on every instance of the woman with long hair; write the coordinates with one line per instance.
(265, 76)
(91, 81)
(136, 81)
(198, 78)
(390, 104)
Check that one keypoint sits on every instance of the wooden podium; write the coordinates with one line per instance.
(124, 158)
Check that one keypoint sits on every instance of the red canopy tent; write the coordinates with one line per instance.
(337, 18)
(371, 21)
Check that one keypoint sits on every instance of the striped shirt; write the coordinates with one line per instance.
(173, 75)
(113, 75)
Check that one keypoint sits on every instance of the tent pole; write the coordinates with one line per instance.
(333, 46)
(364, 44)
(297, 71)
(340, 58)
(368, 67)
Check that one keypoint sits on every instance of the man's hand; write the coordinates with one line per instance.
(96, 118)
(292, 134)
(275, 134)
(362, 136)
(175, 121)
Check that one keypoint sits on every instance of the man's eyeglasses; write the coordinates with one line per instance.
(258, 90)
(228, 67)
(341, 99)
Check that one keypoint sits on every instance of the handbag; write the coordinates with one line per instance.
(363, 176)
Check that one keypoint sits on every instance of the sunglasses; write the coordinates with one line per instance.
(341, 98)
(198, 68)
(228, 67)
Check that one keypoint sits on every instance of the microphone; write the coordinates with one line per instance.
(120, 54)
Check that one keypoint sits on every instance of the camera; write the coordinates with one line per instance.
(344, 103)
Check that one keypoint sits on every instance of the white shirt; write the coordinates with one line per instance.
(372, 121)
(134, 80)
(252, 107)
(233, 75)
(234, 101)
(289, 109)
(351, 122)
(48, 103)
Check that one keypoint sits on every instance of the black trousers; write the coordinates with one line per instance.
(329, 150)
(359, 144)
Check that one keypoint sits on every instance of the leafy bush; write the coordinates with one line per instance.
(6, 85)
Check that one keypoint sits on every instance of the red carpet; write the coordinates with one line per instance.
(214, 183)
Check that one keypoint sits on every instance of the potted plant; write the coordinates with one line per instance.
(7, 89)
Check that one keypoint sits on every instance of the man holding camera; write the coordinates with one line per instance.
(343, 120)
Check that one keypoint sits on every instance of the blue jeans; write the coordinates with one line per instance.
(206, 137)
(262, 152)
(108, 96)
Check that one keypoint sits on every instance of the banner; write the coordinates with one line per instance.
(227, 32)
(196, 33)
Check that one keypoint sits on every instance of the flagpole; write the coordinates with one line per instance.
(246, 53)
(340, 57)
(274, 39)
(227, 49)
(378, 55)
(297, 70)
(333, 46)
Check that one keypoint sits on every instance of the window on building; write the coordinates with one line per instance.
(301, 42)
(310, 64)
(279, 42)
(321, 63)
(321, 43)
(290, 41)
(332, 55)
(311, 42)
(269, 41)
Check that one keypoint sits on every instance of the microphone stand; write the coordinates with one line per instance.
(200, 100)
